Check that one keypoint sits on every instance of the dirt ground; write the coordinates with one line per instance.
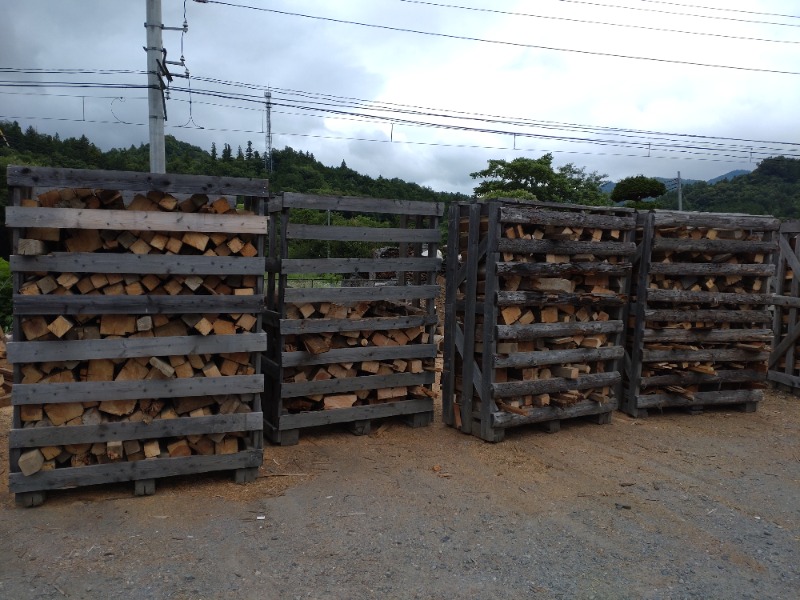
(672, 506)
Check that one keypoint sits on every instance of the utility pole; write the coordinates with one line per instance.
(680, 193)
(268, 157)
(155, 97)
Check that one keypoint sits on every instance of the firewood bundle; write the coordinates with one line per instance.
(315, 358)
(542, 313)
(702, 323)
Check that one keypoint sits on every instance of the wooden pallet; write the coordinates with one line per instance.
(700, 329)
(536, 304)
(357, 349)
(145, 377)
(784, 363)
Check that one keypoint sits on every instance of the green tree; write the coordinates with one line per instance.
(213, 151)
(227, 153)
(637, 189)
(248, 153)
(536, 179)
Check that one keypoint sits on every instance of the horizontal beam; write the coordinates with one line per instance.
(138, 264)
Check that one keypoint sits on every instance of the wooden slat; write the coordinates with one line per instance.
(528, 298)
(561, 269)
(713, 246)
(557, 357)
(356, 204)
(158, 428)
(787, 301)
(552, 413)
(779, 377)
(709, 316)
(346, 355)
(46, 177)
(135, 220)
(707, 297)
(359, 265)
(715, 220)
(356, 413)
(541, 330)
(299, 326)
(54, 393)
(350, 384)
(715, 355)
(554, 385)
(700, 398)
(131, 471)
(509, 214)
(25, 352)
(565, 247)
(358, 294)
(105, 305)
(703, 269)
(692, 378)
(700, 336)
(142, 264)
(361, 234)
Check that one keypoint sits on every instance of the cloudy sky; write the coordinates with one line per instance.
(427, 91)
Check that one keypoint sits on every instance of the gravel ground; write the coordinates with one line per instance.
(673, 506)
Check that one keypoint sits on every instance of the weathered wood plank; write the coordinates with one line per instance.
(541, 330)
(359, 265)
(142, 305)
(44, 177)
(511, 214)
(552, 413)
(158, 428)
(565, 247)
(356, 413)
(529, 298)
(709, 316)
(346, 355)
(300, 326)
(560, 269)
(358, 294)
(557, 357)
(715, 355)
(680, 335)
(88, 391)
(700, 398)
(351, 384)
(786, 301)
(715, 220)
(132, 471)
(393, 235)
(142, 264)
(135, 220)
(25, 352)
(714, 298)
(356, 204)
(703, 269)
(780, 377)
(554, 385)
(692, 378)
(713, 246)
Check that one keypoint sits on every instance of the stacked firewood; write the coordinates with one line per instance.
(317, 344)
(76, 327)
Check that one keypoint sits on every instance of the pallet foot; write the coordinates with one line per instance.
(29, 499)
(603, 418)
(144, 487)
(243, 476)
(360, 427)
(553, 426)
(287, 437)
(418, 419)
(748, 407)
(493, 435)
(695, 410)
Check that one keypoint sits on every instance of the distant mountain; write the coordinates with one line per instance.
(671, 182)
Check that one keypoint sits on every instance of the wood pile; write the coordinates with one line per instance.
(701, 328)
(343, 353)
(784, 363)
(137, 319)
(536, 328)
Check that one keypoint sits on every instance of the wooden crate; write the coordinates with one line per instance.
(700, 329)
(784, 363)
(358, 348)
(123, 349)
(535, 313)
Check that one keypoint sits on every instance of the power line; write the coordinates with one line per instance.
(505, 43)
(605, 23)
(734, 10)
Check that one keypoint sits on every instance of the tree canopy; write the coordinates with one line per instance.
(536, 179)
(637, 189)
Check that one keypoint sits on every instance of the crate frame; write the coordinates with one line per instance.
(284, 428)
(24, 182)
(787, 302)
(637, 404)
(490, 422)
